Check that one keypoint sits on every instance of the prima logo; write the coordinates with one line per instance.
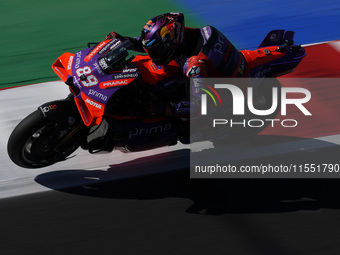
(218, 47)
(97, 94)
(149, 130)
(78, 59)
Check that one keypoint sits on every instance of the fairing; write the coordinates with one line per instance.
(95, 86)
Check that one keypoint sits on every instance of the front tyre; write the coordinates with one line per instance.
(38, 142)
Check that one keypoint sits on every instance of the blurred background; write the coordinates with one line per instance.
(34, 33)
(167, 212)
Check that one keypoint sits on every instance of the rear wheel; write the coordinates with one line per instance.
(38, 142)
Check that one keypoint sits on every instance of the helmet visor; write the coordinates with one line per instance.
(158, 52)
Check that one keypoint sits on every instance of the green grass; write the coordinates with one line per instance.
(35, 33)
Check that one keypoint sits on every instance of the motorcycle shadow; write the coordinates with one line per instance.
(168, 176)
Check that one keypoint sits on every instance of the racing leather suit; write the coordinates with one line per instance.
(205, 52)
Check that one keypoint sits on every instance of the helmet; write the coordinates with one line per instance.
(162, 35)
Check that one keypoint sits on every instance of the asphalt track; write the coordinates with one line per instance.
(168, 213)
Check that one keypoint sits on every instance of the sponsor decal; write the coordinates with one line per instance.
(92, 103)
(155, 67)
(115, 83)
(76, 82)
(206, 33)
(111, 45)
(148, 26)
(99, 70)
(97, 94)
(125, 76)
(149, 130)
(69, 63)
(56, 68)
(168, 31)
(78, 58)
(48, 108)
(219, 45)
(129, 70)
(195, 67)
(95, 51)
(193, 71)
(103, 64)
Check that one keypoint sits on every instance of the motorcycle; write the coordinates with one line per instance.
(109, 88)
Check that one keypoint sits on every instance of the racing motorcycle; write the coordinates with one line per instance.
(108, 87)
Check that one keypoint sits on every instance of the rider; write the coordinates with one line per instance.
(197, 52)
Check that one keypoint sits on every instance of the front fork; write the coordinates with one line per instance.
(69, 137)
(65, 113)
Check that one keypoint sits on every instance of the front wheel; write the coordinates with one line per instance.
(38, 142)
